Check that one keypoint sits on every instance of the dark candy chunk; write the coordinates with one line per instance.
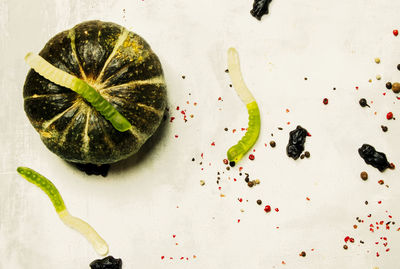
(93, 169)
(296, 142)
(106, 263)
(260, 8)
(373, 157)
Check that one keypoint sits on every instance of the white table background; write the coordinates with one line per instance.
(147, 199)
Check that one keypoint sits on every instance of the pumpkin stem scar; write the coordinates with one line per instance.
(62, 78)
(236, 152)
(75, 223)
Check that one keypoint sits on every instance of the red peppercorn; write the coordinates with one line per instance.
(325, 101)
(267, 208)
(395, 32)
(352, 240)
(226, 161)
(251, 157)
(389, 115)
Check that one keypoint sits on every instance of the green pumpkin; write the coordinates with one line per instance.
(121, 66)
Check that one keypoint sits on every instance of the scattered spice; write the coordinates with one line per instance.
(259, 202)
(267, 208)
(363, 102)
(381, 182)
(388, 85)
(398, 67)
(251, 157)
(377, 60)
(250, 184)
(325, 101)
(395, 32)
(396, 87)
(389, 115)
(272, 144)
(345, 247)
(364, 175)
(307, 154)
(378, 77)
(202, 182)
(302, 254)
(384, 128)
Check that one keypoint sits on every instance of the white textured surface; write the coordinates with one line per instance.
(333, 43)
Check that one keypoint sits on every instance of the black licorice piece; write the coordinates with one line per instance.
(260, 8)
(107, 263)
(297, 138)
(373, 157)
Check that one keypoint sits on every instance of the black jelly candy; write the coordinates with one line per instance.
(373, 157)
(297, 138)
(260, 7)
(107, 263)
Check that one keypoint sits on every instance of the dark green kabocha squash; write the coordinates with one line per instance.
(118, 64)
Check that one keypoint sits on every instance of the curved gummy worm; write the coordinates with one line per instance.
(236, 152)
(75, 223)
(62, 78)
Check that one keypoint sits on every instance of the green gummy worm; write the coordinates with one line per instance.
(45, 185)
(236, 152)
(62, 78)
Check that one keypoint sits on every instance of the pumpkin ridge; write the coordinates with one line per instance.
(160, 113)
(122, 37)
(156, 80)
(34, 96)
(47, 123)
(71, 35)
(141, 58)
(85, 137)
(68, 127)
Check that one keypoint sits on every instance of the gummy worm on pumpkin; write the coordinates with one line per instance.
(75, 223)
(236, 152)
(62, 78)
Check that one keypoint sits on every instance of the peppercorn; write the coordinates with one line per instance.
(325, 101)
(389, 115)
(378, 77)
(364, 175)
(232, 163)
(303, 254)
(302, 156)
(381, 182)
(398, 67)
(384, 128)
(345, 247)
(257, 181)
(388, 85)
(267, 208)
(251, 157)
(396, 87)
(259, 202)
(250, 184)
(307, 154)
(377, 60)
(363, 102)
(272, 144)
(395, 32)
(225, 161)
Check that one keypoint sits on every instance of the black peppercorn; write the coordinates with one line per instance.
(363, 102)
(388, 85)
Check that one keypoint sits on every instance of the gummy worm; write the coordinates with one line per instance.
(79, 225)
(236, 152)
(62, 78)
